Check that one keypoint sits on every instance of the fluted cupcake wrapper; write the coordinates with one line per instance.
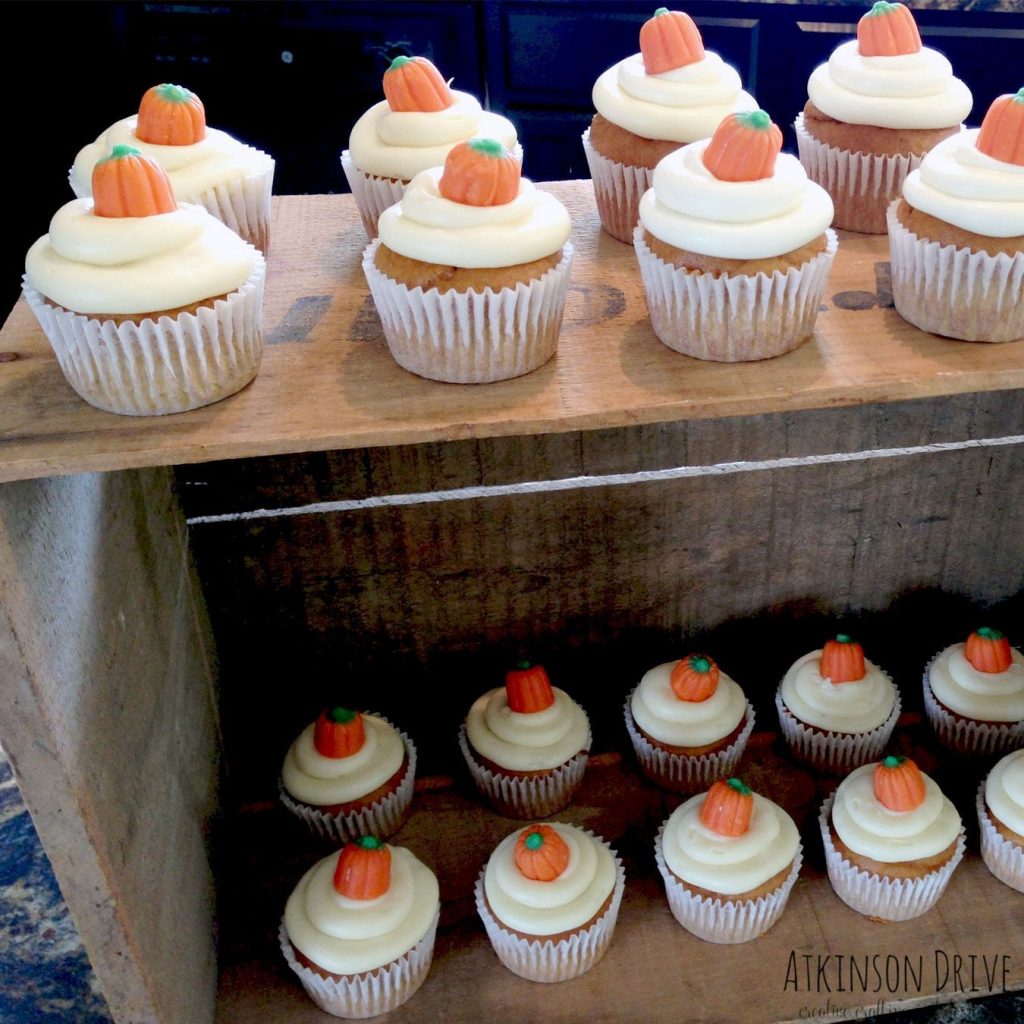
(471, 337)
(680, 772)
(618, 189)
(733, 317)
(370, 993)
(373, 195)
(532, 797)
(543, 959)
(889, 899)
(721, 919)
(1004, 859)
(160, 366)
(955, 292)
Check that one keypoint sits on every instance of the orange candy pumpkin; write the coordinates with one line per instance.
(528, 689)
(694, 678)
(128, 184)
(988, 650)
(898, 784)
(1002, 132)
(480, 172)
(363, 871)
(339, 733)
(170, 115)
(670, 40)
(541, 854)
(744, 147)
(413, 83)
(727, 808)
(887, 30)
(842, 660)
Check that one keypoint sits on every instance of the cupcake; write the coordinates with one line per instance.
(734, 245)
(879, 104)
(957, 235)
(837, 710)
(411, 130)
(892, 840)
(1001, 820)
(151, 306)
(648, 105)
(974, 694)
(471, 269)
(526, 745)
(359, 928)
(349, 774)
(729, 859)
(688, 723)
(549, 897)
(206, 166)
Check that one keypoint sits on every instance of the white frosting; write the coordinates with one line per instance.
(959, 184)
(345, 936)
(131, 265)
(911, 90)
(323, 781)
(683, 723)
(857, 706)
(729, 864)
(524, 742)
(983, 696)
(212, 161)
(564, 903)
(424, 225)
(1004, 791)
(870, 829)
(681, 105)
(401, 144)
(689, 207)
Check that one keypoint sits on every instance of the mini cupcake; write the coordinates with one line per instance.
(549, 897)
(729, 859)
(471, 269)
(648, 105)
(206, 166)
(974, 694)
(359, 928)
(689, 723)
(892, 840)
(1001, 820)
(879, 104)
(837, 710)
(957, 235)
(734, 245)
(411, 130)
(349, 774)
(151, 306)
(526, 744)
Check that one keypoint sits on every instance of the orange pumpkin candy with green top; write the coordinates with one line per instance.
(842, 660)
(668, 41)
(414, 84)
(727, 808)
(339, 733)
(988, 650)
(170, 115)
(898, 784)
(887, 30)
(744, 147)
(363, 871)
(1002, 132)
(528, 689)
(480, 172)
(694, 678)
(541, 854)
(128, 184)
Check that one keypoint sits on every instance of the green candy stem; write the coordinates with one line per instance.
(756, 119)
(700, 663)
(369, 842)
(523, 665)
(740, 786)
(489, 147)
(534, 841)
(399, 62)
(842, 638)
(660, 11)
(882, 7)
(173, 93)
(119, 151)
(1018, 96)
(986, 631)
(341, 715)
(893, 761)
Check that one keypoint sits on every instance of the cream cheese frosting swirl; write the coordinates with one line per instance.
(729, 865)
(1004, 791)
(690, 208)
(520, 741)
(870, 829)
(911, 90)
(323, 781)
(346, 936)
(682, 723)
(681, 105)
(131, 265)
(547, 908)
(426, 226)
(982, 696)
(401, 144)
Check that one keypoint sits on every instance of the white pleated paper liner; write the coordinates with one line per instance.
(861, 185)
(680, 772)
(371, 993)
(543, 959)
(156, 367)
(471, 337)
(617, 190)
(1003, 858)
(733, 317)
(381, 819)
(721, 919)
(888, 899)
(957, 293)
(532, 797)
